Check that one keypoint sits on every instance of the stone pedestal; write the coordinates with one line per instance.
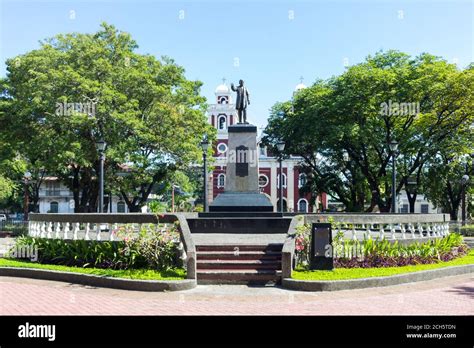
(241, 192)
(242, 159)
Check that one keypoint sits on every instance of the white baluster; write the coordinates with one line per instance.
(114, 229)
(66, 230)
(75, 230)
(402, 228)
(428, 231)
(97, 226)
(436, 231)
(57, 229)
(88, 227)
(381, 232)
(50, 230)
(392, 231)
(43, 230)
(412, 230)
(446, 228)
(354, 235)
(368, 228)
(420, 230)
(440, 230)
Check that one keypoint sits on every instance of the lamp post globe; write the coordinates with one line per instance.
(281, 146)
(393, 144)
(464, 179)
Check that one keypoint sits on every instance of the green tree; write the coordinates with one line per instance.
(78, 88)
(341, 127)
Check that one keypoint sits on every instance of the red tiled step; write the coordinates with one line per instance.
(238, 264)
(240, 255)
(238, 276)
(239, 248)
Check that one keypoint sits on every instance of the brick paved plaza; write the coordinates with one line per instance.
(446, 296)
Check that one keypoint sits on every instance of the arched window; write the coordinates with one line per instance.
(54, 207)
(303, 205)
(223, 100)
(222, 122)
(120, 207)
(221, 180)
(301, 180)
(284, 180)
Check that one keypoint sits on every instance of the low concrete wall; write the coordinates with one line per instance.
(334, 285)
(288, 250)
(99, 281)
(377, 218)
(250, 225)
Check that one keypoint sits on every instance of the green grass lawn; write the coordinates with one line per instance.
(175, 274)
(354, 273)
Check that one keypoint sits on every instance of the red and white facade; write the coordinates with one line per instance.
(221, 115)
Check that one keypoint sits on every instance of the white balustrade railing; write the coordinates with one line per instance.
(386, 226)
(100, 227)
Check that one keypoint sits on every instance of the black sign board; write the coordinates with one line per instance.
(321, 247)
(242, 165)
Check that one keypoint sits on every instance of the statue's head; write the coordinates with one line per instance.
(241, 82)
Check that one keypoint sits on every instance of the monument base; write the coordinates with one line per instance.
(241, 202)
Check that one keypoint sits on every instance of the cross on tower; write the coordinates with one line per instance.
(223, 80)
(301, 79)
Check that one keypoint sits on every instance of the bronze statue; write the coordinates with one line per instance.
(242, 101)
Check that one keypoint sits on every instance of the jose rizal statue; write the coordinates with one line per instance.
(242, 100)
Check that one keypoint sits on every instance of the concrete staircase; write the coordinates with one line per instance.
(239, 264)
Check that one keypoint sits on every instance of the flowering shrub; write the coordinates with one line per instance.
(302, 242)
(381, 253)
(152, 247)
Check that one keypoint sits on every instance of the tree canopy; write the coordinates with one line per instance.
(342, 126)
(76, 89)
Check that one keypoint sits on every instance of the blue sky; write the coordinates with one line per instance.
(274, 42)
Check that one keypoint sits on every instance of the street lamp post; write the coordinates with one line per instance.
(464, 181)
(281, 147)
(205, 147)
(26, 201)
(101, 144)
(393, 148)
